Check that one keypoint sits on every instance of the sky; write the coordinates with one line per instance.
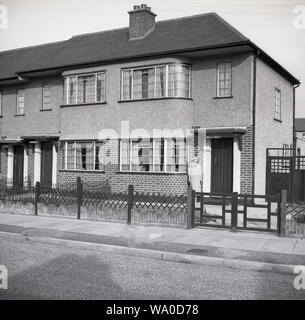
(271, 24)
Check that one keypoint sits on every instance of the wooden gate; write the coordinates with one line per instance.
(237, 211)
(285, 172)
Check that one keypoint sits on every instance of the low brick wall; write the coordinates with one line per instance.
(295, 229)
(17, 207)
(51, 210)
(158, 217)
(104, 214)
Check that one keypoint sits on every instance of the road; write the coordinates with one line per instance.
(45, 271)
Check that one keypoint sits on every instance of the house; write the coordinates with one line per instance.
(65, 105)
(300, 135)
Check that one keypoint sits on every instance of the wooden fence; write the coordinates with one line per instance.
(81, 202)
(232, 211)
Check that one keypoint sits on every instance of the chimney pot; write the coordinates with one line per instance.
(143, 6)
(136, 7)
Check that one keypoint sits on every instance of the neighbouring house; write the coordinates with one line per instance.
(300, 136)
(197, 74)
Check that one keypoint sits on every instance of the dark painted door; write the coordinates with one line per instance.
(46, 164)
(18, 166)
(222, 165)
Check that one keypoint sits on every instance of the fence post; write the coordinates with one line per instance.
(130, 203)
(37, 195)
(190, 208)
(79, 193)
(282, 214)
(234, 212)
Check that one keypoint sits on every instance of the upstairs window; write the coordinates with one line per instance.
(85, 89)
(277, 104)
(172, 80)
(20, 102)
(0, 103)
(224, 80)
(47, 96)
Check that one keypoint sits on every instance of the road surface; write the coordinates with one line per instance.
(45, 271)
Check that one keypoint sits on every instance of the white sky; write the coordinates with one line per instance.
(268, 23)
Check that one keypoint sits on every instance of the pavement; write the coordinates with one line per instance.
(248, 250)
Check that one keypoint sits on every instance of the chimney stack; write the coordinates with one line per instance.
(141, 22)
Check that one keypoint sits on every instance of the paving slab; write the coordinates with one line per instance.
(299, 247)
(280, 245)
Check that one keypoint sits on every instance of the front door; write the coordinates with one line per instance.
(46, 164)
(222, 165)
(18, 166)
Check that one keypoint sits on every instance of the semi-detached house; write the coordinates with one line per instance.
(197, 74)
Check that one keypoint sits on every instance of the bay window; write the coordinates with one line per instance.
(82, 156)
(170, 80)
(153, 155)
(88, 88)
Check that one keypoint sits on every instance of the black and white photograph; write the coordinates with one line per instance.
(152, 155)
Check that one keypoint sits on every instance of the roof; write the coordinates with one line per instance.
(300, 124)
(176, 35)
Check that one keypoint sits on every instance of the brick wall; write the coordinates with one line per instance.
(246, 170)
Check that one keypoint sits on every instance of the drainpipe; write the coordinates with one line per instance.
(294, 145)
(253, 119)
(293, 126)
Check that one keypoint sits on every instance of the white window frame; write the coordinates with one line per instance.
(44, 84)
(277, 108)
(130, 141)
(95, 74)
(218, 80)
(74, 155)
(18, 113)
(166, 65)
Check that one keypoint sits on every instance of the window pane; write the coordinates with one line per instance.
(46, 96)
(176, 155)
(72, 90)
(160, 82)
(100, 87)
(277, 103)
(143, 83)
(70, 156)
(20, 101)
(84, 156)
(142, 155)
(86, 89)
(99, 156)
(224, 79)
(127, 85)
(178, 81)
(172, 81)
(159, 155)
(63, 155)
(125, 155)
